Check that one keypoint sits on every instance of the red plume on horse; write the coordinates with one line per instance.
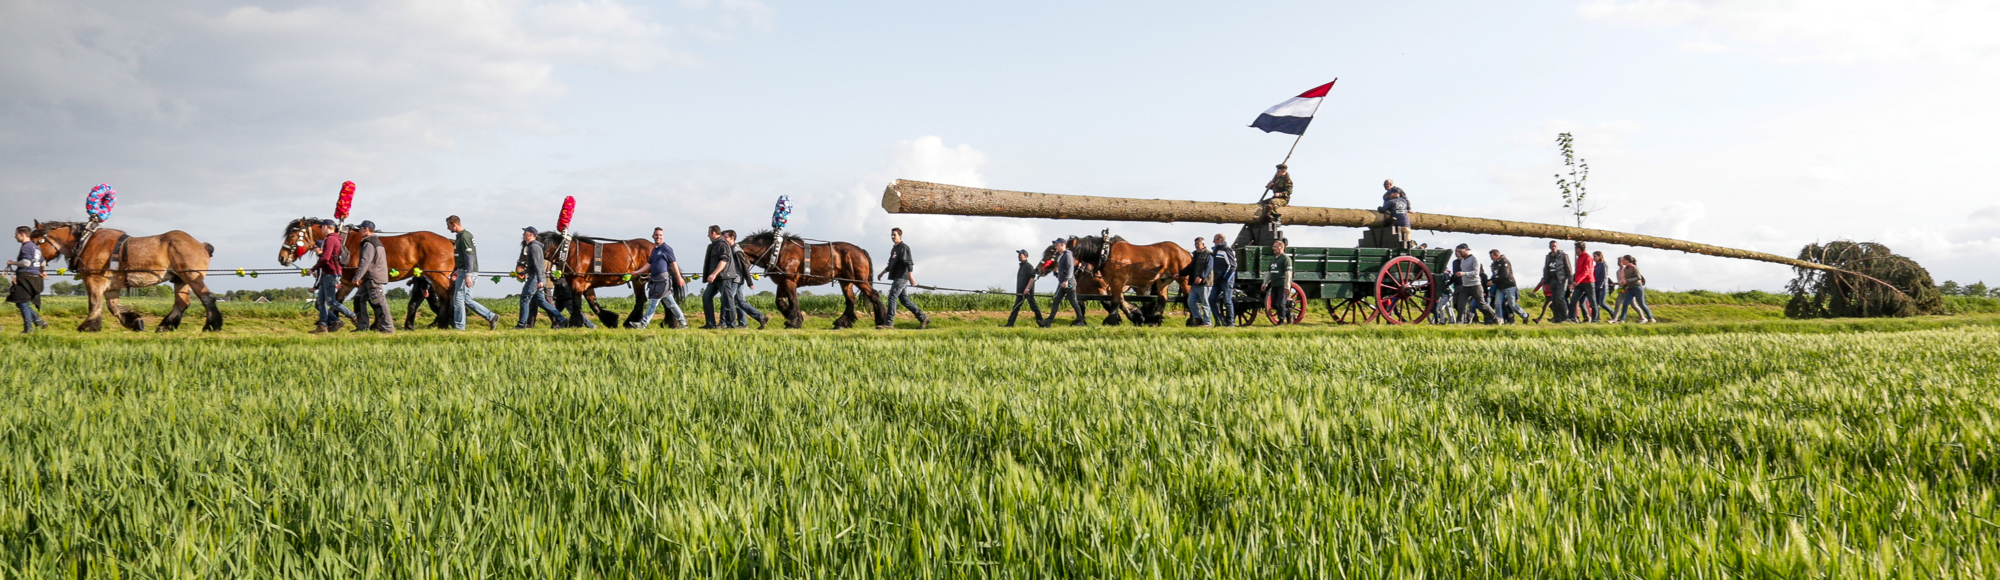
(407, 254)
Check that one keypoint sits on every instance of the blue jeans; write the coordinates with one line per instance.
(327, 299)
(532, 298)
(29, 318)
(658, 293)
(1510, 305)
(1222, 301)
(1601, 290)
(1197, 297)
(743, 307)
(899, 291)
(1634, 296)
(725, 289)
(461, 298)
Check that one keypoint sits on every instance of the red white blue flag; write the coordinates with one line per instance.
(1292, 116)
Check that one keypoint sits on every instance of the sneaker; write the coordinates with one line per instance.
(885, 327)
(761, 321)
(923, 323)
(335, 327)
(493, 323)
(319, 329)
(1079, 323)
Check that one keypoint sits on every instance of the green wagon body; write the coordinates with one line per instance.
(1327, 273)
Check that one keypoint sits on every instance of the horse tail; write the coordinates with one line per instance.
(210, 248)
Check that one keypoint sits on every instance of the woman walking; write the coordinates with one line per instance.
(26, 292)
(1634, 285)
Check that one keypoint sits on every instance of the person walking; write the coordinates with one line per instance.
(1585, 285)
(535, 266)
(720, 279)
(1506, 292)
(1201, 275)
(1555, 282)
(1469, 296)
(744, 283)
(464, 262)
(1024, 289)
(663, 280)
(1065, 272)
(326, 281)
(1396, 204)
(1601, 288)
(1278, 282)
(1634, 285)
(898, 272)
(1222, 294)
(26, 291)
(371, 273)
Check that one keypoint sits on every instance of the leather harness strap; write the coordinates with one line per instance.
(596, 258)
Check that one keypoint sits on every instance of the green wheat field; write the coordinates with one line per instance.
(1725, 442)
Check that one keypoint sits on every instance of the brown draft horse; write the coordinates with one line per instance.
(174, 257)
(798, 263)
(618, 264)
(1146, 270)
(405, 253)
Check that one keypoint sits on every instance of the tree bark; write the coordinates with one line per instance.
(905, 196)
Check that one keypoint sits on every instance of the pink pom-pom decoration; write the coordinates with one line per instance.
(340, 208)
(569, 209)
(98, 205)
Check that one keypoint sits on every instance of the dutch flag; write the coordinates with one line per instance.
(1292, 116)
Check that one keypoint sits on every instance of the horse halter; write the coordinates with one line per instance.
(294, 240)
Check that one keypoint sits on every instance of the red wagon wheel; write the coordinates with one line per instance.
(1298, 296)
(1354, 310)
(1404, 292)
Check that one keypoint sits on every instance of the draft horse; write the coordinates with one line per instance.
(589, 263)
(405, 253)
(1110, 269)
(108, 260)
(797, 263)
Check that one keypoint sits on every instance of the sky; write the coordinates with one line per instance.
(1755, 124)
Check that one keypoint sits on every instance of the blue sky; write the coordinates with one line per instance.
(1753, 124)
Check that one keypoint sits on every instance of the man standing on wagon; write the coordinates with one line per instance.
(465, 261)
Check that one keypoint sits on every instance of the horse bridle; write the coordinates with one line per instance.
(70, 254)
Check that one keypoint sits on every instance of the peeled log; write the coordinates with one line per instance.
(905, 196)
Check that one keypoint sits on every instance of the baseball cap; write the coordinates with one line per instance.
(368, 224)
(530, 229)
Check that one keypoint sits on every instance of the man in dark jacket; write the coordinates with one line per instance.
(898, 272)
(745, 282)
(1507, 293)
(1396, 204)
(26, 292)
(326, 280)
(371, 273)
(535, 265)
(1065, 272)
(1200, 277)
(1278, 282)
(1222, 294)
(1555, 282)
(1024, 289)
(720, 280)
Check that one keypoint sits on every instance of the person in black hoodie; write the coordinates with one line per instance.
(1024, 289)
(898, 273)
(1556, 279)
(720, 280)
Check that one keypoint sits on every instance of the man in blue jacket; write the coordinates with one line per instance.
(1222, 295)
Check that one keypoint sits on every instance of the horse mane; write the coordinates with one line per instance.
(767, 237)
(46, 226)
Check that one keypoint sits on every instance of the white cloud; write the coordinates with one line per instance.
(1844, 31)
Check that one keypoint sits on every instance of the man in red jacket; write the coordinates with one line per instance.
(1585, 283)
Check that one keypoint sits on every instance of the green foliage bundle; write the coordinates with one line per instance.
(1852, 293)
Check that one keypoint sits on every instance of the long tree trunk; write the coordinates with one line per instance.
(905, 196)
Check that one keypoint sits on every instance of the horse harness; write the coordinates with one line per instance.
(769, 261)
